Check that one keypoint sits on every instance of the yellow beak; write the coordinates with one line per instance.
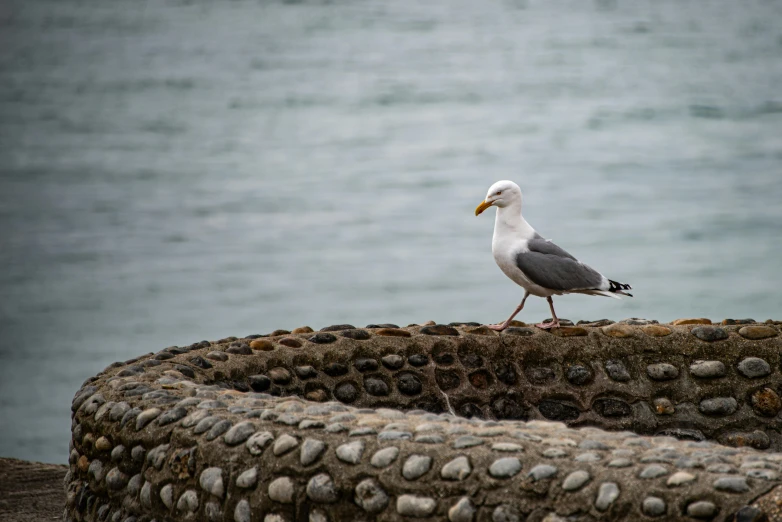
(483, 206)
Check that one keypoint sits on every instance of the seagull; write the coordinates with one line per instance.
(536, 264)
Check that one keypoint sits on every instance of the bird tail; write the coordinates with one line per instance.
(619, 288)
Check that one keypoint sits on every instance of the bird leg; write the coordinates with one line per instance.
(501, 327)
(555, 322)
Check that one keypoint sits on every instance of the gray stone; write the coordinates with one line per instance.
(620, 463)
(247, 479)
(462, 511)
(415, 506)
(709, 333)
(282, 490)
(258, 441)
(701, 509)
(416, 466)
(467, 441)
(763, 474)
(680, 478)
(205, 424)
(167, 495)
(384, 457)
(213, 511)
(96, 470)
(734, 484)
(242, 512)
(321, 488)
(145, 496)
(218, 429)
(457, 469)
(311, 450)
(430, 439)
(718, 406)
(505, 513)
(617, 371)
(211, 481)
(507, 447)
(351, 452)
(707, 370)
(394, 435)
(284, 444)
(555, 453)
(188, 501)
(653, 507)
(194, 418)
(146, 416)
(316, 515)
(575, 480)
(588, 457)
(653, 471)
(542, 471)
(239, 433)
(115, 479)
(662, 371)
(116, 454)
(588, 444)
(370, 496)
(606, 495)
(505, 468)
(754, 367)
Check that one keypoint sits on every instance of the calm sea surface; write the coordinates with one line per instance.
(179, 171)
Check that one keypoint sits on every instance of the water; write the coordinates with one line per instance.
(178, 171)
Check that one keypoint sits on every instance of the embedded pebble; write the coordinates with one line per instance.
(555, 453)
(505, 467)
(239, 433)
(95, 469)
(756, 333)
(734, 484)
(467, 441)
(146, 495)
(542, 471)
(416, 466)
(653, 507)
(370, 496)
(587, 457)
(415, 506)
(282, 490)
(507, 447)
(171, 416)
(708, 369)
(205, 425)
(218, 429)
(620, 463)
(680, 478)
(663, 406)
(258, 441)
(709, 333)
(188, 501)
(102, 444)
(167, 495)
(606, 495)
(718, 406)
(146, 416)
(617, 371)
(653, 471)
(754, 367)
(284, 444)
(311, 450)
(211, 481)
(701, 509)
(575, 480)
(247, 479)
(393, 361)
(462, 511)
(662, 371)
(351, 452)
(242, 512)
(321, 488)
(384, 457)
(115, 479)
(457, 469)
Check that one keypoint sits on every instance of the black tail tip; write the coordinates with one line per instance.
(616, 286)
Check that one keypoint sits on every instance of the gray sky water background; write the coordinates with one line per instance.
(179, 171)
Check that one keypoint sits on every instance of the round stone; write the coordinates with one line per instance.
(280, 376)
(261, 344)
(558, 410)
(335, 369)
(205, 425)
(365, 364)
(218, 429)
(311, 450)
(575, 480)
(409, 384)
(718, 406)
(321, 488)
(734, 484)
(766, 402)
(284, 444)
(663, 406)
(662, 371)
(416, 466)
(709, 333)
(457, 469)
(370, 496)
(247, 479)
(115, 479)
(375, 386)
(655, 330)
(606, 495)
(505, 468)
(259, 383)
(102, 444)
(542, 471)
(505, 513)
(172, 415)
(620, 463)
(610, 407)
(418, 359)
(384, 457)
(146, 416)
(617, 371)
(653, 471)
(351, 452)
(757, 332)
(619, 330)
(447, 379)
(146, 495)
(707, 369)
(462, 511)
(754, 367)
(415, 506)
(258, 441)
(653, 507)
(211, 481)
(357, 335)
(95, 468)
(322, 338)
(188, 502)
(346, 392)
(579, 375)
(239, 433)
(701, 509)
(680, 478)
(167, 495)
(393, 361)
(282, 490)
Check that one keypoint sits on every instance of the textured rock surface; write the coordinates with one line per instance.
(595, 421)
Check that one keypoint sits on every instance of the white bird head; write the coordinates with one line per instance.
(501, 194)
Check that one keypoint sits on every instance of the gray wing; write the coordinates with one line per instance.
(547, 265)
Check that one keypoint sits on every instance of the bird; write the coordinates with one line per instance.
(536, 264)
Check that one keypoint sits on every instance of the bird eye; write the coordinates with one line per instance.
(498, 193)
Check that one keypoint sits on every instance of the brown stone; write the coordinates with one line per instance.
(288, 341)
(302, 330)
(701, 320)
(480, 330)
(261, 344)
(518, 324)
(766, 402)
(83, 464)
(392, 332)
(569, 331)
(280, 376)
(88, 440)
(275, 333)
(318, 395)
(619, 330)
(664, 406)
(655, 330)
(428, 323)
(757, 332)
(102, 444)
(439, 329)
